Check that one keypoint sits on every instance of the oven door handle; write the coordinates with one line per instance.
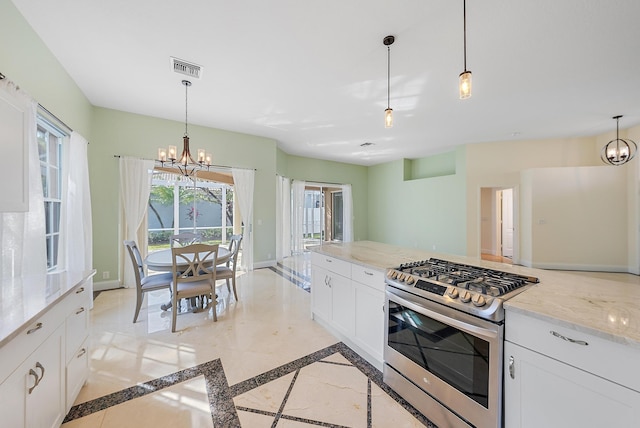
(490, 332)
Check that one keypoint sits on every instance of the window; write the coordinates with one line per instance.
(176, 205)
(50, 140)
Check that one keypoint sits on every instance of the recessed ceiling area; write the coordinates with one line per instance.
(313, 75)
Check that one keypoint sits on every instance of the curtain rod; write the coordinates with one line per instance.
(53, 116)
(212, 166)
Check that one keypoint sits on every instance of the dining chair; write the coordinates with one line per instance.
(197, 276)
(144, 282)
(183, 239)
(227, 271)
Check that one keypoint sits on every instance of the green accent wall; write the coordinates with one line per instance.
(425, 213)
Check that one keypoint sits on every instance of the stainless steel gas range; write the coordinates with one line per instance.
(444, 333)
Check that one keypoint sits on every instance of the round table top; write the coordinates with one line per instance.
(161, 260)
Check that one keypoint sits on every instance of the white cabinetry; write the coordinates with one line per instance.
(45, 365)
(560, 377)
(15, 127)
(348, 299)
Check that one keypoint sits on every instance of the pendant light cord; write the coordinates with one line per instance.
(464, 20)
(186, 106)
(388, 76)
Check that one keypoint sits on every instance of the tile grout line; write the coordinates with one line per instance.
(284, 400)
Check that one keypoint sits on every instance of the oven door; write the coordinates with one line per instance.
(454, 357)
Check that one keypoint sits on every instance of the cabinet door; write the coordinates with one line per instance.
(12, 404)
(543, 392)
(320, 294)
(369, 319)
(342, 304)
(45, 400)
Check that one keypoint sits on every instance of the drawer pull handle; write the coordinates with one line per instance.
(79, 311)
(568, 339)
(368, 273)
(34, 329)
(33, 373)
(80, 290)
(512, 368)
(82, 352)
(37, 381)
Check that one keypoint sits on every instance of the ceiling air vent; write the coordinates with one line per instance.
(187, 68)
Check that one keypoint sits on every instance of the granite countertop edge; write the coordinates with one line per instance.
(66, 281)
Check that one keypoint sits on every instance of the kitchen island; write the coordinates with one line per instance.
(572, 341)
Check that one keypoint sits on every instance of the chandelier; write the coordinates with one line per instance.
(619, 151)
(186, 164)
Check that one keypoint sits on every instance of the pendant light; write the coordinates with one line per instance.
(388, 113)
(186, 164)
(465, 76)
(619, 151)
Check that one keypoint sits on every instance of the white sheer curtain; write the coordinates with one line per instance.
(297, 194)
(135, 187)
(347, 214)
(76, 225)
(283, 217)
(22, 234)
(243, 182)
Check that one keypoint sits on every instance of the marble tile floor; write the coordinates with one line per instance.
(265, 363)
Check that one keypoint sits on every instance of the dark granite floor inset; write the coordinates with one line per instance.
(305, 285)
(223, 411)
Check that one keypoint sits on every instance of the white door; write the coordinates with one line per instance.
(507, 222)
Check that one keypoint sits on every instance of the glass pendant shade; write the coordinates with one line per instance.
(465, 84)
(388, 118)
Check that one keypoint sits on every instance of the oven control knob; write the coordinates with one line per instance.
(410, 279)
(452, 292)
(465, 296)
(401, 276)
(479, 300)
(392, 274)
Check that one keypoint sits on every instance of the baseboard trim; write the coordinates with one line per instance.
(106, 285)
(264, 264)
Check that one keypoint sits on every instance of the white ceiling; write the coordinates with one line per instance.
(313, 74)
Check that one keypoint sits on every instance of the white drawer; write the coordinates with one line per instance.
(77, 371)
(368, 276)
(331, 264)
(601, 357)
(77, 329)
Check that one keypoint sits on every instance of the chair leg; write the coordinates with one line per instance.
(214, 303)
(174, 313)
(235, 293)
(139, 298)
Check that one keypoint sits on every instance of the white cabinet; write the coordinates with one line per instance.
(15, 127)
(44, 366)
(560, 377)
(348, 299)
(31, 395)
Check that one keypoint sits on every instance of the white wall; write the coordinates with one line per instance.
(578, 218)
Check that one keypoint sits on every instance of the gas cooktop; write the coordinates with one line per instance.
(473, 289)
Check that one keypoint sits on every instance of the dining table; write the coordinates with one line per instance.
(162, 261)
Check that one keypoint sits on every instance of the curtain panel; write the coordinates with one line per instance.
(243, 180)
(297, 220)
(283, 217)
(135, 187)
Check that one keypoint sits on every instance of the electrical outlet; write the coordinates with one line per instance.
(106, 274)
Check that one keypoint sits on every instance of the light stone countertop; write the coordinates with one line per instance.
(24, 299)
(602, 307)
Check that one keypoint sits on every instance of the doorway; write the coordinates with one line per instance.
(497, 237)
(323, 214)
